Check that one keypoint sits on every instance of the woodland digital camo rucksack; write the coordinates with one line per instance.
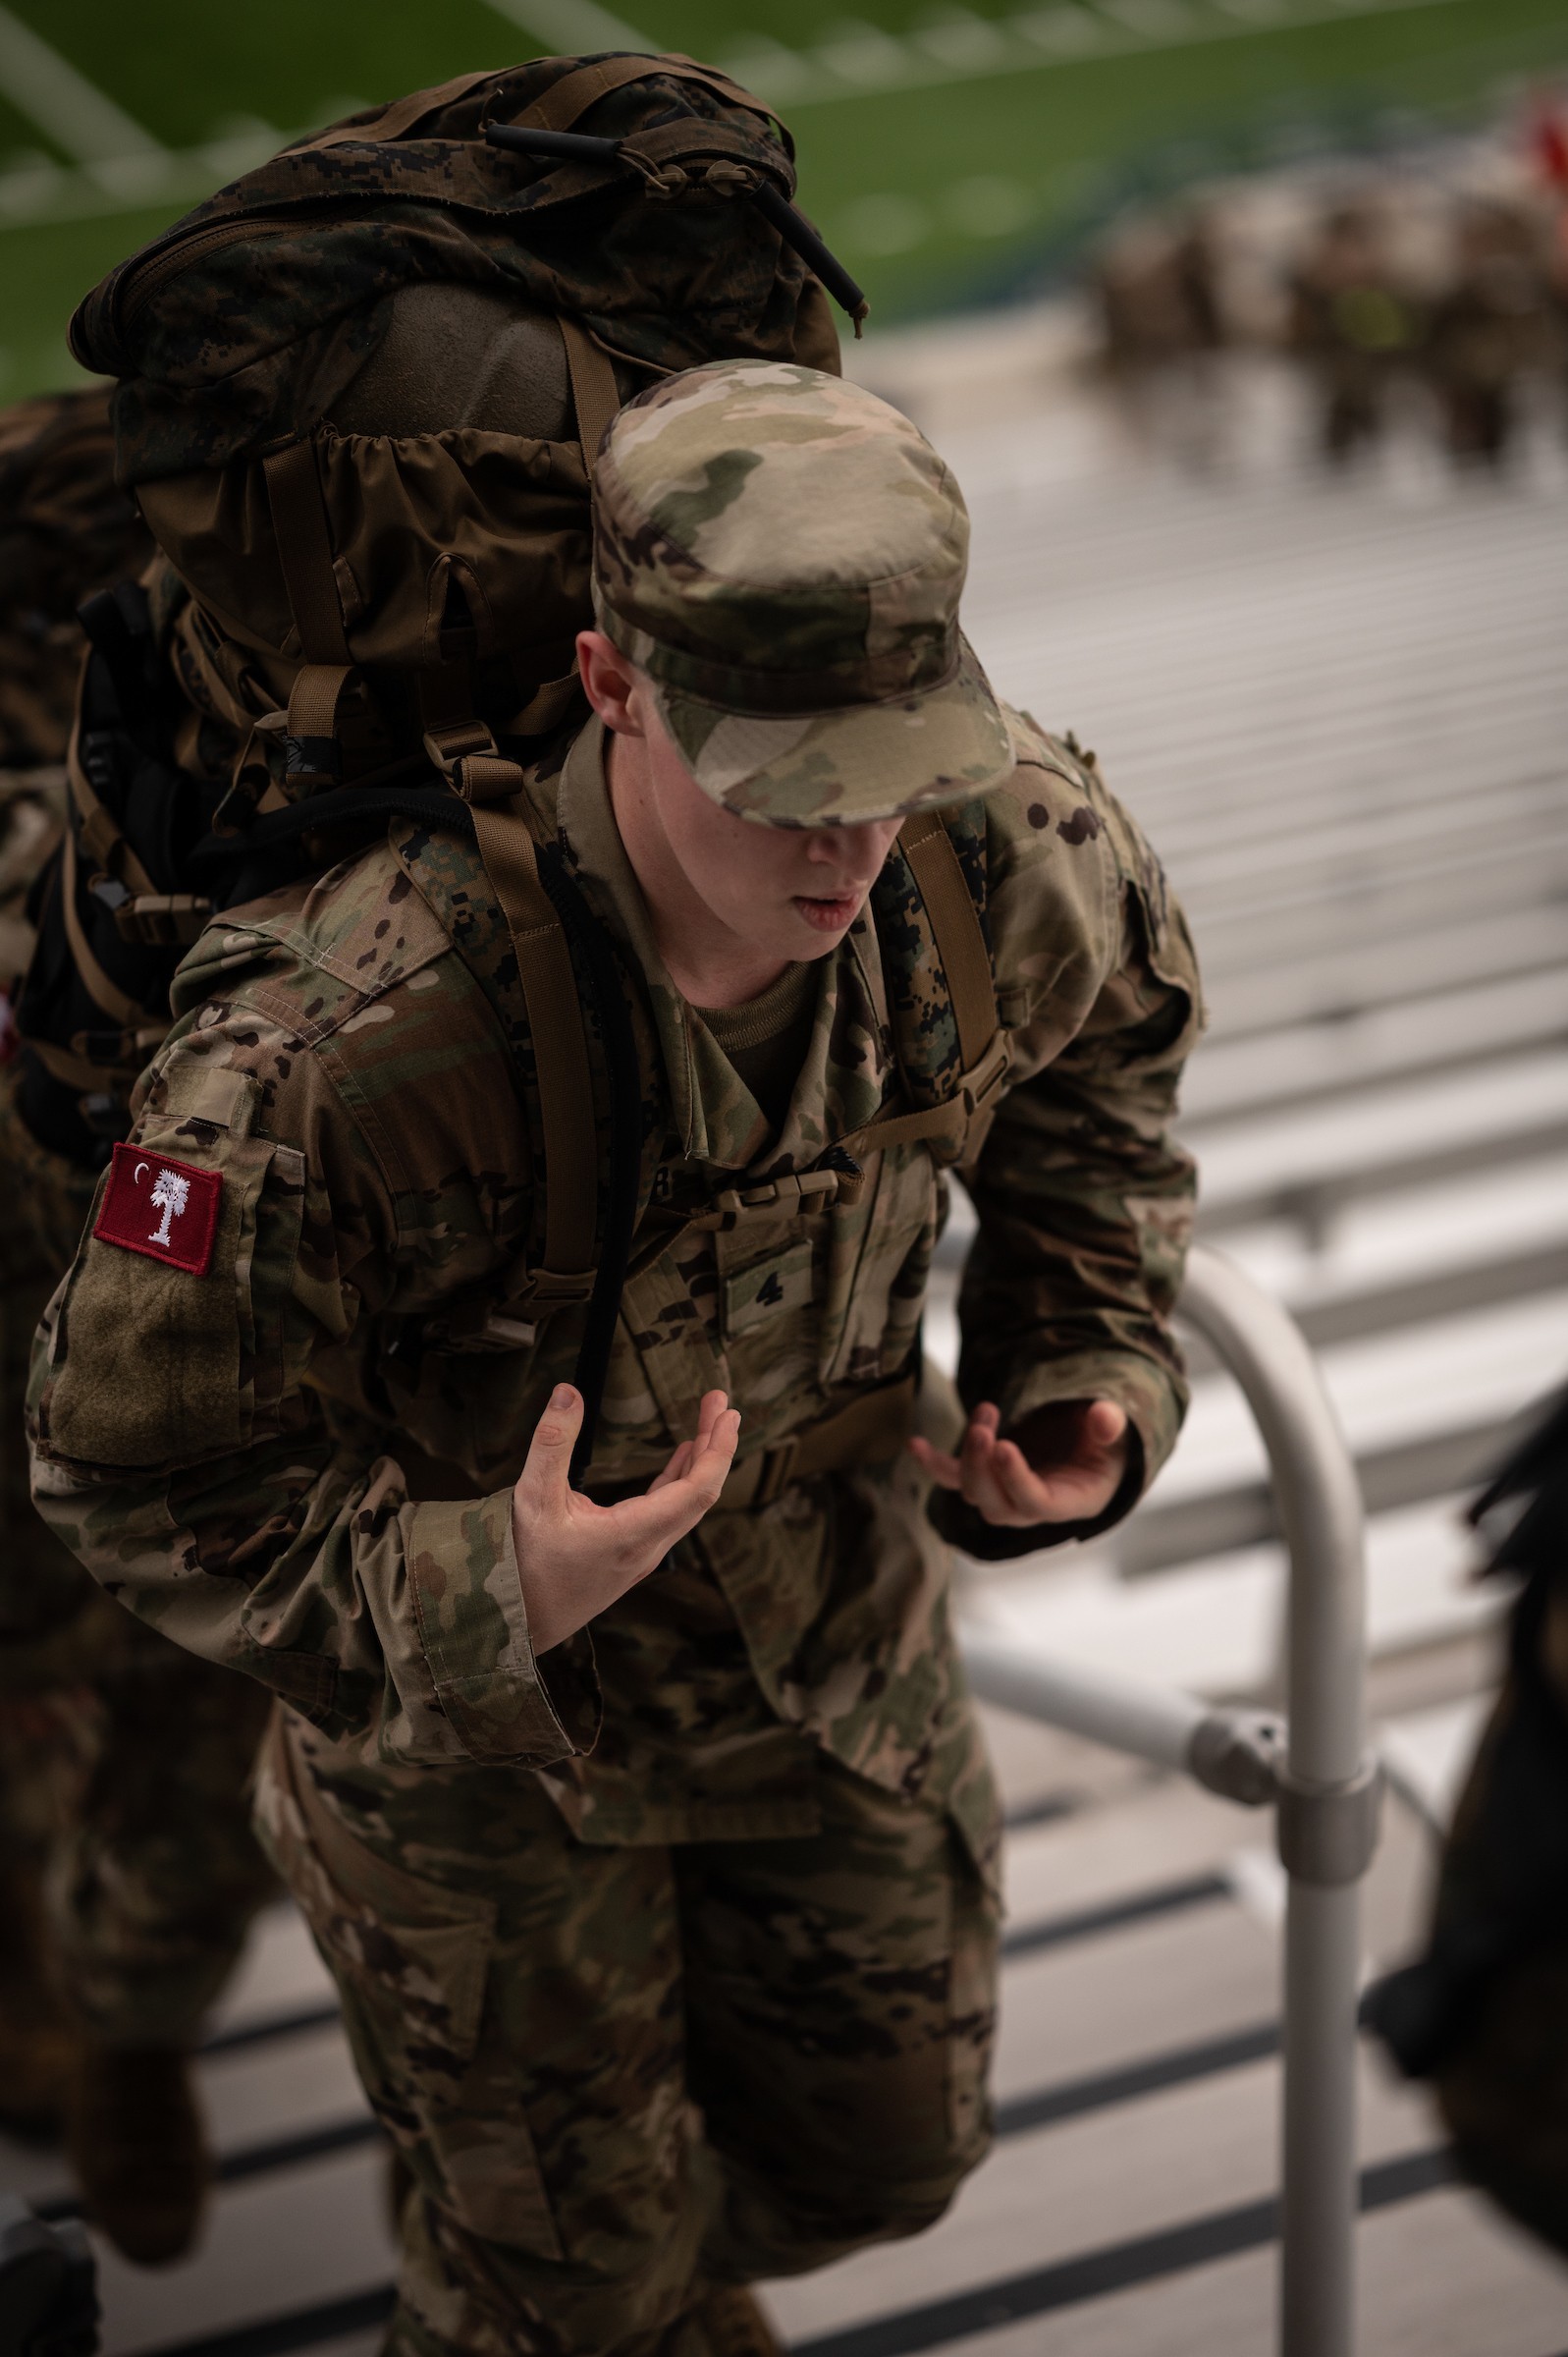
(358, 396)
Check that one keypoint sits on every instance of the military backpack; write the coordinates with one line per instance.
(359, 397)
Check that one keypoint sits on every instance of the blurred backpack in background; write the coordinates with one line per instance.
(66, 530)
(359, 396)
(1484, 2012)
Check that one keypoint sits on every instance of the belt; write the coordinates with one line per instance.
(870, 1431)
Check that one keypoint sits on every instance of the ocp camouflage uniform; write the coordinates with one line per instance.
(668, 1957)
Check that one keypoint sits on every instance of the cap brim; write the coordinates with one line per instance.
(843, 768)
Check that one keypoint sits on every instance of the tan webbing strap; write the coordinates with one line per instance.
(101, 835)
(305, 544)
(595, 395)
(547, 707)
(871, 1431)
(569, 99)
(943, 1127)
(560, 1043)
(960, 942)
(128, 1013)
(315, 699)
(81, 1072)
(401, 117)
(984, 1051)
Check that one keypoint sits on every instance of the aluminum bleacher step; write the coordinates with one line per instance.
(1214, 1627)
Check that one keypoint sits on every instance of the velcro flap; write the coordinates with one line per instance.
(769, 1289)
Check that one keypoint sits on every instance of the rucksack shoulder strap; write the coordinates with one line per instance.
(569, 1129)
(590, 1211)
(953, 1127)
(957, 931)
(595, 393)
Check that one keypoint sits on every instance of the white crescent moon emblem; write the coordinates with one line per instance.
(135, 1176)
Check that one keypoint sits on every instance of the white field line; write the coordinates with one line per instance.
(166, 176)
(569, 27)
(128, 170)
(862, 61)
(69, 109)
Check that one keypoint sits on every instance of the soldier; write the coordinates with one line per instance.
(127, 1873)
(1495, 332)
(646, 1826)
(1159, 289)
(1355, 327)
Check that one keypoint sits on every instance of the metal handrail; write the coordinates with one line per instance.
(1314, 1768)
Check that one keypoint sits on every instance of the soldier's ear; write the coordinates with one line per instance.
(610, 683)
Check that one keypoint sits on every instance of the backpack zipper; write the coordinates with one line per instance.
(144, 281)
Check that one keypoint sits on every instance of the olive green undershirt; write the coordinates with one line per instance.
(765, 1039)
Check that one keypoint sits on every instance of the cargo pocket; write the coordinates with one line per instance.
(412, 1961)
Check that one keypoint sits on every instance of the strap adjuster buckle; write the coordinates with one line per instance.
(981, 1082)
(778, 1468)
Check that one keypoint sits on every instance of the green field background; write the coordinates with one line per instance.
(970, 190)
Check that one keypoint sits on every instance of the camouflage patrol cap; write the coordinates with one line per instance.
(782, 555)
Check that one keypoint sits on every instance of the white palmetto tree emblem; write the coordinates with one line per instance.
(169, 1194)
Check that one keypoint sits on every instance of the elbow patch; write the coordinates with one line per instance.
(158, 1348)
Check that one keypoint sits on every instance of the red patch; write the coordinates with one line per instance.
(163, 1208)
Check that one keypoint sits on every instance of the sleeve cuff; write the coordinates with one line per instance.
(504, 1705)
(965, 1527)
(1154, 1399)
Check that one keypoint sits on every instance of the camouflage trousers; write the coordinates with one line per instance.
(125, 1787)
(124, 1762)
(617, 2075)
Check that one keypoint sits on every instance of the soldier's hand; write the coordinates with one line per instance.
(1063, 1463)
(576, 1558)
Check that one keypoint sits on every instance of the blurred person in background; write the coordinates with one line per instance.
(1354, 326)
(127, 1870)
(1158, 290)
(1495, 332)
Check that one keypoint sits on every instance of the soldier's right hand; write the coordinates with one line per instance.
(576, 1558)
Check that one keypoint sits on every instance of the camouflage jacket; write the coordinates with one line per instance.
(247, 1458)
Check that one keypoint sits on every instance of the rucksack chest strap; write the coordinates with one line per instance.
(952, 1128)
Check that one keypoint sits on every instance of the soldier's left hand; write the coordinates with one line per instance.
(1062, 1464)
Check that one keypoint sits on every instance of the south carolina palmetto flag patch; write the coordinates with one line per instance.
(166, 1209)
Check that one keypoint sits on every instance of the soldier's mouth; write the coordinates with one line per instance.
(832, 911)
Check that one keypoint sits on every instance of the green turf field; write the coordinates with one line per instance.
(950, 153)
